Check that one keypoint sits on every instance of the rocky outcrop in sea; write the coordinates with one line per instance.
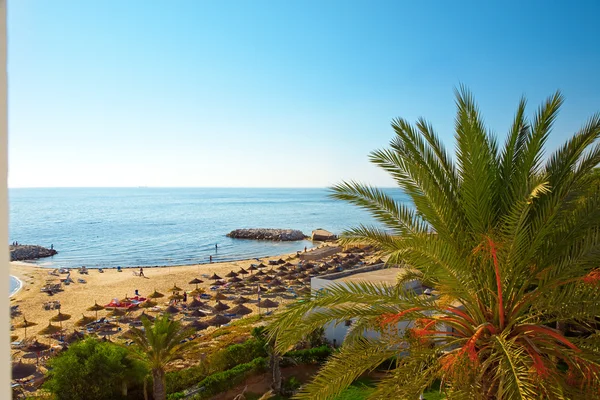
(24, 252)
(279, 235)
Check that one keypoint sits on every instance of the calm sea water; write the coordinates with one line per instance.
(165, 226)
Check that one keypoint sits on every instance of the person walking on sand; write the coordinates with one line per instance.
(142, 272)
(216, 247)
(210, 258)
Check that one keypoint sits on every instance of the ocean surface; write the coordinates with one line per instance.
(106, 227)
(14, 284)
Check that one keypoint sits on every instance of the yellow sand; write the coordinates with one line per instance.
(103, 287)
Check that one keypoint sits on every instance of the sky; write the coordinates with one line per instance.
(273, 93)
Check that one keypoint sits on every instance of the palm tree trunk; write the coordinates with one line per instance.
(158, 384)
(276, 371)
(124, 388)
(146, 388)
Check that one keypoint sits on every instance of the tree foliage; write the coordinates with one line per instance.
(94, 370)
(510, 241)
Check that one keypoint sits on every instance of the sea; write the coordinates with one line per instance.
(110, 227)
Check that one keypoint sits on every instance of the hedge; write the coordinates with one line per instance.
(178, 381)
(222, 381)
(317, 355)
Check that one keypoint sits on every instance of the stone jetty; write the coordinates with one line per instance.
(279, 235)
(24, 252)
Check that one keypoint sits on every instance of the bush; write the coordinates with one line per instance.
(222, 381)
(237, 354)
(318, 355)
(178, 381)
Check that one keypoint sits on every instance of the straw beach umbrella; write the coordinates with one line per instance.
(282, 268)
(96, 307)
(175, 296)
(241, 300)
(26, 324)
(218, 320)
(156, 295)
(175, 288)
(148, 304)
(198, 325)
(252, 278)
(50, 330)
(196, 282)
(220, 296)
(240, 309)
(261, 265)
(73, 337)
(83, 321)
(172, 310)
(60, 317)
(260, 273)
(267, 303)
(195, 304)
(242, 271)
(235, 279)
(116, 312)
(21, 370)
(197, 314)
(252, 268)
(144, 315)
(221, 307)
(231, 274)
(215, 277)
(36, 347)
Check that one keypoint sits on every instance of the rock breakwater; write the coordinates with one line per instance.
(24, 252)
(279, 235)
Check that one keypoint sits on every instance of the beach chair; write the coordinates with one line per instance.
(101, 270)
(81, 280)
(135, 273)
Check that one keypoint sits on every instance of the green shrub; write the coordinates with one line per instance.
(237, 354)
(178, 381)
(316, 355)
(175, 396)
(222, 381)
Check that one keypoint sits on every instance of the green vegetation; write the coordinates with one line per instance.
(94, 370)
(316, 355)
(157, 345)
(508, 241)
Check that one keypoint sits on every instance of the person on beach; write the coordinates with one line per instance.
(216, 247)
(184, 297)
(210, 258)
(305, 249)
(142, 272)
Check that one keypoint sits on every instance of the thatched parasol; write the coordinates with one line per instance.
(83, 321)
(26, 324)
(231, 274)
(252, 268)
(240, 309)
(198, 325)
(267, 303)
(36, 347)
(241, 300)
(60, 317)
(235, 279)
(197, 292)
(220, 296)
(21, 370)
(116, 312)
(175, 296)
(96, 307)
(144, 315)
(172, 310)
(252, 278)
(281, 274)
(197, 314)
(218, 320)
(50, 329)
(148, 304)
(238, 285)
(156, 295)
(196, 282)
(276, 282)
(215, 277)
(282, 268)
(195, 304)
(280, 261)
(260, 273)
(221, 306)
(73, 337)
(243, 271)
(261, 265)
(175, 288)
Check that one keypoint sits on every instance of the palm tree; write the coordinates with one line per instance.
(508, 240)
(158, 344)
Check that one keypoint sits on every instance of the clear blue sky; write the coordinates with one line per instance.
(272, 93)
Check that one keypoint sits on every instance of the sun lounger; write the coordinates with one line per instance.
(81, 280)
(101, 270)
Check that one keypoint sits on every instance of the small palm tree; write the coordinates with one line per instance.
(158, 344)
(509, 242)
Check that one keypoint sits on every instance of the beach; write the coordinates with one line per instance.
(102, 288)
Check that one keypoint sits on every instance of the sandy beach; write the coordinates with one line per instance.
(104, 287)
